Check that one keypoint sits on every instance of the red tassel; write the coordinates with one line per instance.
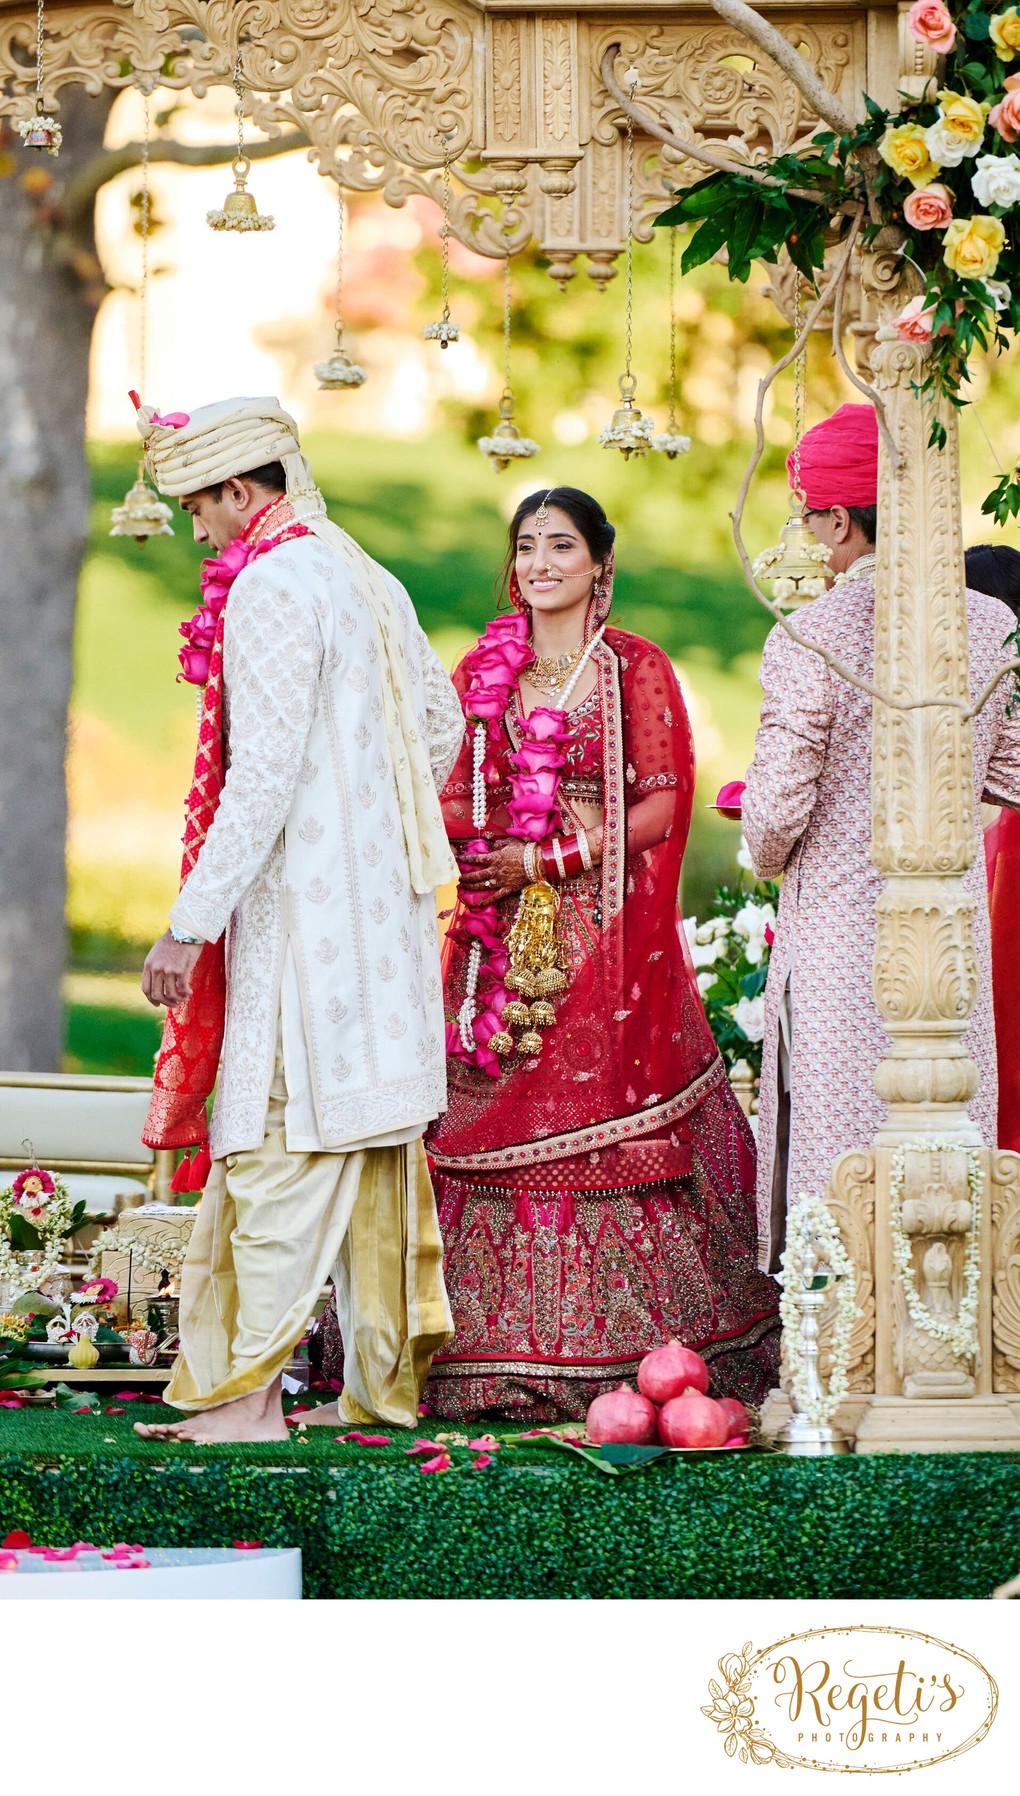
(193, 1171)
(201, 1167)
(181, 1180)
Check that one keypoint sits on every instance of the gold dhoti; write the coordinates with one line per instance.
(271, 1227)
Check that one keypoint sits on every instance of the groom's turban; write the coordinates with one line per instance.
(186, 452)
(839, 459)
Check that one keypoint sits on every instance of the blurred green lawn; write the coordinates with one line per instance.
(436, 515)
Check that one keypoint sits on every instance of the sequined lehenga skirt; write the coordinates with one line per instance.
(557, 1295)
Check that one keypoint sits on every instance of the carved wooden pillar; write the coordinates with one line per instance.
(924, 1397)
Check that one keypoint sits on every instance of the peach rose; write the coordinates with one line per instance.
(929, 21)
(915, 321)
(929, 208)
(1005, 117)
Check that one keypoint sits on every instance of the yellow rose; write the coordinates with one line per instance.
(971, 247)
(963, 117)
(906, 151)
(1004, 31)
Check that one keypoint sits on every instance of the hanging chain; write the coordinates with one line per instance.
(143, 308)
(444, 232)
(629, 213)
(672, 329)
(507, 313)
(239, 108)
(39, 24)
(799, 388)
(340, 267)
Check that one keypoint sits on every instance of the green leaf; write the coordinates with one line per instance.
(622, 1454)
(67, 1397)
(754, 984)
(977, 27)
(23, 1237)
(29, 1380)
(704, 244)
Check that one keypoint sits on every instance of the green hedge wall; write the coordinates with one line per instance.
(753, 1526)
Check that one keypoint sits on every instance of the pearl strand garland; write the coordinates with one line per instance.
(466, 1013)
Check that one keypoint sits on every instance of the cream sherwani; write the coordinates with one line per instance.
(333, 1057)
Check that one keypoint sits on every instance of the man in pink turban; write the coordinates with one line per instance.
(839, 480)
(806, 813)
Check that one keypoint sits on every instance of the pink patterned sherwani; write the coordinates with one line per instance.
(807, 815)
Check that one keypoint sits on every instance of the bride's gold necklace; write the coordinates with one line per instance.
(548, 673)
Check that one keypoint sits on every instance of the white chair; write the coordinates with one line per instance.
(88, 1128)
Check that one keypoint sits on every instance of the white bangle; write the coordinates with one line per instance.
(585, 849)
(530, 850)
(558, 858)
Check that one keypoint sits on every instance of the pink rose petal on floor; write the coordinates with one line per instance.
(247, 1546)
(11, 1403)
(8, 1562)
(485, 1443)
(441, 1463)
(483, 1459)
(365, 1440)
(114, 1409)
(424, 1446)
(127, 1396)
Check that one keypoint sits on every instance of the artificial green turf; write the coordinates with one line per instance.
(533, 1524)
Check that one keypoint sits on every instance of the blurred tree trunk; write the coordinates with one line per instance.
(50, 288)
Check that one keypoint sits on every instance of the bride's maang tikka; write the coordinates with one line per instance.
(542, 514)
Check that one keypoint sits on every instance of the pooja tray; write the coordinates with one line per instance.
(54, 1353)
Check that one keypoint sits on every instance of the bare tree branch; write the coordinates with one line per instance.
(862, 386)
(80, 194)
(787, 57)
(697, 151)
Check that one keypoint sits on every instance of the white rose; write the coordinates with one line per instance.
(752, 918)
(754, 949)
(945, 147)
(1001, 291)
(705, 983)
(691, 930)
(996, 180)
(744, 856)
(713, 930)
(706, 954)
(749, 1016)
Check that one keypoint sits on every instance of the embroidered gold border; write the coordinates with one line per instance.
(597, 1135)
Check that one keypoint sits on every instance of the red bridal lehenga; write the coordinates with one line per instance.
(598, 1199)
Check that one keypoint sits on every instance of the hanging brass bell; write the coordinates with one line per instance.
(797, 566)
(529, 1043)
(142, 514)
(506, 443)
(240, 213)
(501, 1042)
(40, 133)
(516, 1014)
(542, 1014)
(630, 431)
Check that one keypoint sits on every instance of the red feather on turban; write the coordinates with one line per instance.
(839, 459)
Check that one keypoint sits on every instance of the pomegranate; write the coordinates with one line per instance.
(693, 1420)
(740, 1422)
(669, 1370)
(621, 1416)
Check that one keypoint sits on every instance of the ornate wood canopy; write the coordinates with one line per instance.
(515, 92)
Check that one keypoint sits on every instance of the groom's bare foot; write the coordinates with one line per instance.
(324, 1415)
(255, 1418)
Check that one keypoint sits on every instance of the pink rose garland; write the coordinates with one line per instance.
(502, 653)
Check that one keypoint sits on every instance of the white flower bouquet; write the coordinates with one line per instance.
(730, 951)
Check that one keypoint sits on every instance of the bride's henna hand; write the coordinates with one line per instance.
(498, 873)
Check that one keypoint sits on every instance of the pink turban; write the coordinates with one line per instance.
(839, 459)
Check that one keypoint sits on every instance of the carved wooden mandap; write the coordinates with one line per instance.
(517, 96)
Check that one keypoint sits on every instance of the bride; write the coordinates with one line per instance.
(594, 1173)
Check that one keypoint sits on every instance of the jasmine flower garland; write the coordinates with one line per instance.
(813, 1241)
(961, 1335)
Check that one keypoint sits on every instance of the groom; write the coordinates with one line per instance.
(313, 846)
